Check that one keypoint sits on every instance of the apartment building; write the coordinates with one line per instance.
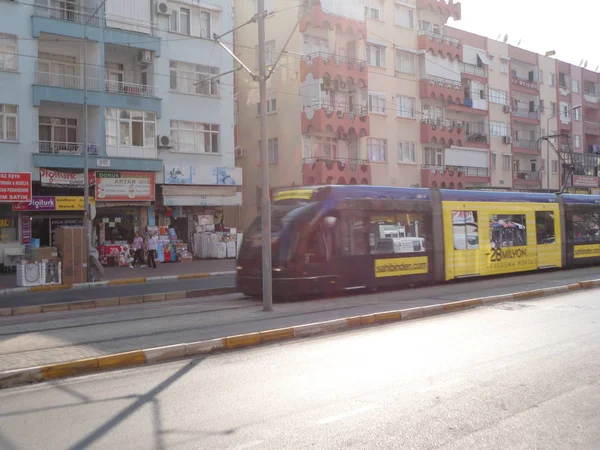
(385, 92)
(156, 114)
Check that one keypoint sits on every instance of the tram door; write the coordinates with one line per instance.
(465, 228)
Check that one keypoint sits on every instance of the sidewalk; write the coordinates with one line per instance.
(9, 281)
(33, 340)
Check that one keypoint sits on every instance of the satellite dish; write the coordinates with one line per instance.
(519, 42)
(499, 35)
(581, 63)
(585, 65)
(505, 38)
(597, 67)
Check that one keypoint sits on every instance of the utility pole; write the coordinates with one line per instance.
(267, 271)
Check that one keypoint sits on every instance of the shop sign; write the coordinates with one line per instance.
(15, 187)
(47, 203)
(585, 181)
(204, 200)
(203, 175)
(55, 178)
(125, 186)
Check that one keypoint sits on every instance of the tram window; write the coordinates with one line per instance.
(585, 227)
(466, 230)
(544, 223)
(391, 233)
(508, 230)
(352, 234)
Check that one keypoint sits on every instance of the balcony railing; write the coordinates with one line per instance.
(590, 97)
(74, 81)
(66, 148)
(444, 83)
(525, 82)
(330, 161)
(338, 59)
(359, 110)
(78, 14)
(477, 137)
(525, 113)
(472, 69)
(440, 38)
(141, 90)
(466, 171)
(527, 175)
(527, 144)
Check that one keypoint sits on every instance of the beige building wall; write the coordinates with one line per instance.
(499, 79)
(548, 95)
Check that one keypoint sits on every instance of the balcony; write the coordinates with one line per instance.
(592, 128)
(318, 171)
(444, 132)
(448, 9)
(323, 116)
(454, 177)
(66, 88)
(477, 140)
(525, 85)
(118, 87)
(525, 115)
(442, 88)
(526, 147)
(68, 81)
(564, 92)
(470, 106)
(66, 148)
(321, 63)
(70, 12)
(590, 100)
(439, 44)
(527, 179)
(473, 72)
(318, 18)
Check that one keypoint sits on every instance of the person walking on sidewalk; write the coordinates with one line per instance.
(138, 244)
(152, 247)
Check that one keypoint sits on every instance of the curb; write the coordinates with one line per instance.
(140, 280)
(116, 301)
(155, 355)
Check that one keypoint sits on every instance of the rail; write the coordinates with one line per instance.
(527, 175)
(527, 144)
(75, 81)
(65, 148)
(525, 113)
(359, 110)
(472, 69)
(75, 14)
(465, 170)
(444, 82)
(338, 59)
(130, 88)
(440, 37)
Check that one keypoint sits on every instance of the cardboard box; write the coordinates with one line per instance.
(71, 243)
(45, 253)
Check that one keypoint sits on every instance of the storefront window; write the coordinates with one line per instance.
(8, 223)
(116, 225)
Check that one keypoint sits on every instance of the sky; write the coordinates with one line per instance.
(571, 28)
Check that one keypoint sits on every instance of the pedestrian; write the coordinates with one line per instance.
(138, 244)
(152, 247)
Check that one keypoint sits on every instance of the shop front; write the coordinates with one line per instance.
(202, 205)
(123, 202)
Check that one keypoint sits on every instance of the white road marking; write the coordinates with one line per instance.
(249, 445)
(341, 416)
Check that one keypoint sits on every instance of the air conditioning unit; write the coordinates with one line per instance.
(162, 8)
(507, 140)
(240, 152)
(145, 56)
(164, 142)
(507, 109)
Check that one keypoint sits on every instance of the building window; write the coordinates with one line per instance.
(195, 137)
(554, 166)
(188, 78)
(373, 9)
(405, 62)
(8, 52)
(553, 107)
(377, 102)
(499, 129)
(562, 80)
(575, 86)
(59, 131)
(505, 162)
(192, 22)
(407, 152)
(404, 17)
(552, 79)
(319, 147)
(500, 97)
(503, 65)
(405, 107)
(314, 44)
(271, 103)
(129, 128)
(577, 114)
(375, 55)
(270, 53)
(494, 162)
(377, 150)
(9, 121)
(577, 141)
(273, 146)
(433, 157)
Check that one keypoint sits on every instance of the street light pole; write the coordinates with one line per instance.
(86, 163)
(267, 273)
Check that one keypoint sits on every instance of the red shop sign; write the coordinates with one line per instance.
(15, 187)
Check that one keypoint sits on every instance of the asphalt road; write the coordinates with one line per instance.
(509, 376)
(74, 295)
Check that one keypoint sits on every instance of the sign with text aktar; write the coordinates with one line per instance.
(55, 178)
(125, 186)
(15, 187)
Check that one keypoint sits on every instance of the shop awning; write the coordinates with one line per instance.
(201, 196)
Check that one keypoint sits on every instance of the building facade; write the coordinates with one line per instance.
(159, 119)
(381, 92)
